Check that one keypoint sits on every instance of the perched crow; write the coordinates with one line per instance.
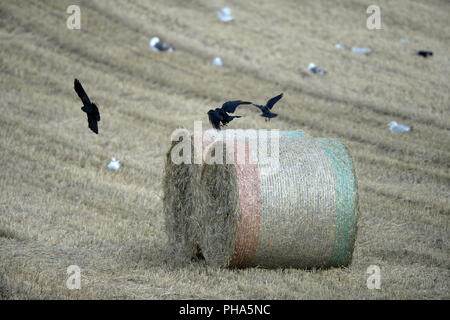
(88, 107)
(220, 115)
(266, 113)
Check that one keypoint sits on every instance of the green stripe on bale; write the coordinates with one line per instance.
(293, 134)
(346, 202)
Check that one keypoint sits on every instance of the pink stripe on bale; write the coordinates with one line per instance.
(249, 210)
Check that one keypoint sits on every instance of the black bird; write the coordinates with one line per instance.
(89, 107)
(424, 53)
(215, 118)
(230, 107)
(266, 113)
(226, 118)
(220, 115)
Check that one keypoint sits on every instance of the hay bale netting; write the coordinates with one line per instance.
(302, 215)
(181, 188)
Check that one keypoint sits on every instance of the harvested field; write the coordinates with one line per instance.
(61, 206)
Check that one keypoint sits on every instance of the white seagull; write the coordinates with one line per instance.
(361, 50)
(157, 45)
(395, 127)
(217, 62)
(315, 69)
(224, 14)
(114, 164)
(354, 49)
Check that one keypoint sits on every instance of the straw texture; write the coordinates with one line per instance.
(180, 185)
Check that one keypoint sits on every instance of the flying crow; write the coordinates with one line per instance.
(266, 113)
(89, 107)
(220, 115)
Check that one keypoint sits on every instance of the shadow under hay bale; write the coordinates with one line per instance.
(302, 212)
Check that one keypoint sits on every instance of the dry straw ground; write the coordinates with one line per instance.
(59, 205)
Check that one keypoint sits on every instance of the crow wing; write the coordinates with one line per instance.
(230, 106)
(81, 93)
(260, 107)
(214, 119)
(273, 100)
(92, 120)
(96, 113)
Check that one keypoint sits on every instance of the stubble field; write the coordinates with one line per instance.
(61, 206)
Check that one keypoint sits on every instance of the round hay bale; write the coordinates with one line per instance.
(303, 214)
